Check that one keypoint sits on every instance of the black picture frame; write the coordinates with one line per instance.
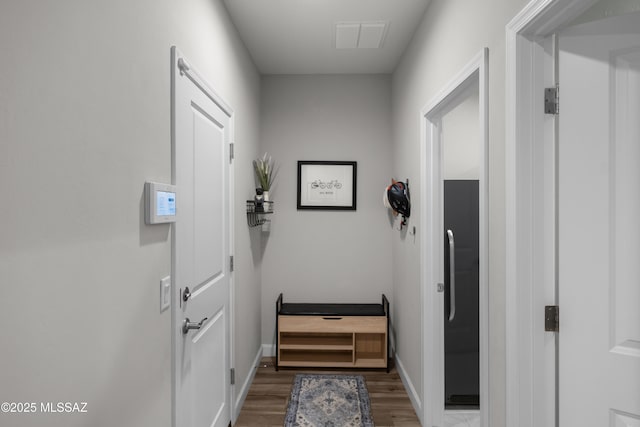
(327, 185)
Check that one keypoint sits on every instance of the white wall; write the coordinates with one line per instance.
(461, 139)
(327, 256)
(452, 32)
(84, 121)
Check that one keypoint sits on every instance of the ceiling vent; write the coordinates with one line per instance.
(360, 35)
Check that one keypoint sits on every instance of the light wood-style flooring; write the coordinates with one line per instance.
(266, 402)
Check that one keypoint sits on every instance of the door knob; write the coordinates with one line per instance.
(187, 325)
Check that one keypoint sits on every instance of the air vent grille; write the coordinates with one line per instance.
(360, 35)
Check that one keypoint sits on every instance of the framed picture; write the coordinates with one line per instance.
(327, 185)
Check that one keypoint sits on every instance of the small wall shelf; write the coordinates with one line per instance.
(257, 214)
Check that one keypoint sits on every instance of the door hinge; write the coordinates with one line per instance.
(232, 152)
(232, 376)
(552, 100)
(552, 318)
(231, 265)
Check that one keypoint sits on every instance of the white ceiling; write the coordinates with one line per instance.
(298, 36)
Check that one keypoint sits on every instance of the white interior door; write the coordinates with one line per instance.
(201, 254)
(599, 223)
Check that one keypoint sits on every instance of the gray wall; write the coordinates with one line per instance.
(327, 256)
(461, 139)
(84, 121)
(452, 32)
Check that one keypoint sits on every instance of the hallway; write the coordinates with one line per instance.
(92, 303)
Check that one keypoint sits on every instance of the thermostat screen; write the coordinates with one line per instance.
(165, 203)
(160, 203)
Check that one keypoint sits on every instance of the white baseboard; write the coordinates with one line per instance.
(246, 386)
(268, 350)
(408, 385)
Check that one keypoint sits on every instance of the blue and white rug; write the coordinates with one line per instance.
(329, 401)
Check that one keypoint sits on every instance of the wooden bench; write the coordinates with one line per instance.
(332, 335)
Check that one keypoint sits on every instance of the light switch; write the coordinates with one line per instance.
(165, 293)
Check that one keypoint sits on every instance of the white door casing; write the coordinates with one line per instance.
(202, 126)
(598, 218)
(530, 213)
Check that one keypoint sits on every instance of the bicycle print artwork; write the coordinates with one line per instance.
(327, 185)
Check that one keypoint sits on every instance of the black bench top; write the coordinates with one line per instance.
(306, 309)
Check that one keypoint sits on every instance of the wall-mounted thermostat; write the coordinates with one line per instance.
(160, 203)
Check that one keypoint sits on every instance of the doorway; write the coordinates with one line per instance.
(581, 182)
(460, 142)
(454, 195)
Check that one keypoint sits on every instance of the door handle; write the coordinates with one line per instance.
(187, 325)
(452, 276)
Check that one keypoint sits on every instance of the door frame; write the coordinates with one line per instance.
(531, 354)
(475, 72)
(179, 64)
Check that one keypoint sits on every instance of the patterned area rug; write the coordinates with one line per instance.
(329, 401)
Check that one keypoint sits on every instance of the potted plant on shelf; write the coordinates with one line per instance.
(264, 168)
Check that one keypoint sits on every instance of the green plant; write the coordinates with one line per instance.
(265, 171)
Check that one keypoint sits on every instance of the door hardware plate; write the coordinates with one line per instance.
(551, 318)
(551, 100)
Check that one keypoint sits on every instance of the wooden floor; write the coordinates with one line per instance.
(266, 403)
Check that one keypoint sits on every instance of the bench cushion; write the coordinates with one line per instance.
(305, 309)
